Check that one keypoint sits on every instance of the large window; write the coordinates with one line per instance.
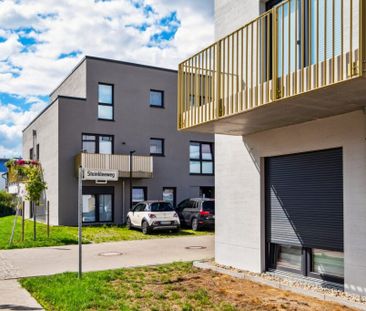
(105, 101)
(94, 143)
(139, 194)
(157, 146)
(317, 263)
(157, 98)
(201, 158)
(97, 204)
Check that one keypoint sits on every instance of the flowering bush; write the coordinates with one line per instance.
(30, 172)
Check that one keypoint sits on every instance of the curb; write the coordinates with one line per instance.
(301, 291)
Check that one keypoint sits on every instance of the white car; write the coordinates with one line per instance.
(153, 215)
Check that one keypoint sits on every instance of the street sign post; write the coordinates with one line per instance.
(80, 218)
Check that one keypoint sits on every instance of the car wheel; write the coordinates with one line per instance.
(195, 224)
(145, 227)
(128, 223)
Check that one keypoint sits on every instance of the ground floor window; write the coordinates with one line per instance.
(207, 192)
(97, 204)
(169, 195)
(139, 194)
(313, 262)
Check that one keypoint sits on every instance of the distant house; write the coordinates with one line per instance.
(3, 170)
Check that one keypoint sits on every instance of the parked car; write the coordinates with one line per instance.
(197, 213)
(153, 215)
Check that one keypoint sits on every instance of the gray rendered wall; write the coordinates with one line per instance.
(74, 84)
(135, 123)
(47, 138)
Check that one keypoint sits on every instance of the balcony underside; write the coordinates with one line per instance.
(343, 97)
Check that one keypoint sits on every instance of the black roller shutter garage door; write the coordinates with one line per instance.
(304, 199)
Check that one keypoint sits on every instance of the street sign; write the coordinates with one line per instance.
(105, 175)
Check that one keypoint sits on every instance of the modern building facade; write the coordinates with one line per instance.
(283, 90)
(103, 111)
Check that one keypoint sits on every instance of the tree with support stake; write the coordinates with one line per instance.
(26, 181)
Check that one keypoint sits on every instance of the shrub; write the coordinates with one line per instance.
(7, 204)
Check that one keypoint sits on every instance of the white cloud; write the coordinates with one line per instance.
(33, 34)
(99, 29)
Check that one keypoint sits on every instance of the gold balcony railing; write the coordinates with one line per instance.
(142, 166)
(298, 46)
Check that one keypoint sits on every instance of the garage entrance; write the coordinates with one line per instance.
(304, 214)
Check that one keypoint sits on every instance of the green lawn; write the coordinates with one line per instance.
(177, 286)
(60, 235)
(148, 288)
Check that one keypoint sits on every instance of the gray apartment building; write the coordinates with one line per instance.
(103, 111)
(284, 94)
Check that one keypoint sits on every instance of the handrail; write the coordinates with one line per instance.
(296, 47)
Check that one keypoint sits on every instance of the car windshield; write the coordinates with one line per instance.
(161, 207)
(208, 206)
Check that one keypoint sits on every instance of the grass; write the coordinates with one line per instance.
(176, 286)
(62, 235)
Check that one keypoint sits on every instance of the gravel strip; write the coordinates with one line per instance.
(285, 282)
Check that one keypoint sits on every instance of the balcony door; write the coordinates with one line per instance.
(308, 32)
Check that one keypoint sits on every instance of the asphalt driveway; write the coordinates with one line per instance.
(20, 263)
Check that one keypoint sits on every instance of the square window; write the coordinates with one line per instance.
(195, 167)
(105, 112)
(105, 94)
(156, 98)
(207, 167)
(157, 146)
(201, 158)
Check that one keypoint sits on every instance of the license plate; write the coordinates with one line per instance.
(165, 222)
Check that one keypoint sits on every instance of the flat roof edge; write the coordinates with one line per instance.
(48, 106)
(130, 63)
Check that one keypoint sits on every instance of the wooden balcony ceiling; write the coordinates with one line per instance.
(343, 97)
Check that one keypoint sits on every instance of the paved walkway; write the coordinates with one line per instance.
(21, 263)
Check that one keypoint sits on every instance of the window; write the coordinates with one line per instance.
(169, 195)
(31, 154)
(316, 263)
(139, 207)
(156, 98)
(201, 158)
(329, 263)
(161, 207)
(139, 194)
(157, 146)
(105, 102)
(37, 149)
(97, 204)
(92, 143)
(207, 192)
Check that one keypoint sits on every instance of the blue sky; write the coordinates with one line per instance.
(41, 41)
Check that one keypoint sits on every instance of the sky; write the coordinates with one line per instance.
(42, 40)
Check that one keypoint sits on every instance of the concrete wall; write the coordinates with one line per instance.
(240, 239)
(233, 14)
(74, 84)
(239, 172)
(47, 138)
(135, 123)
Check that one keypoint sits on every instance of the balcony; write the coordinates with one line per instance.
(142, 165)
(300, 61)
